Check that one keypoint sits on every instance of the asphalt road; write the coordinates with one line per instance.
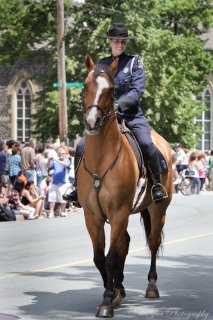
(46, 268)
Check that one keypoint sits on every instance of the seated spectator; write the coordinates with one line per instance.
(15, 202)
(3, 199)
(31, 197)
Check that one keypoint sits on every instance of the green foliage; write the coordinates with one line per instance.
(168, 38)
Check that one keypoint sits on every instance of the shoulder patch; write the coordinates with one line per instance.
(140, 64)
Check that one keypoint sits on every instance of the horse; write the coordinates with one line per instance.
(107, 180)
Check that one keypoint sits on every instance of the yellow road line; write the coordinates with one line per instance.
(178, 241)
(66, 265)
(79, 262)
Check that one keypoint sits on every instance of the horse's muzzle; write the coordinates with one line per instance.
(93, 121)
(95, 129)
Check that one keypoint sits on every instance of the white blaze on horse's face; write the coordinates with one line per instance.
(93, 113)
(102, 84)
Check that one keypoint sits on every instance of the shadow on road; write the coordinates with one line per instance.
(185, 284)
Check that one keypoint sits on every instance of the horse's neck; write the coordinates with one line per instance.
(104, 146)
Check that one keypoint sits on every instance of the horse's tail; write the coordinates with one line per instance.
(145, 218)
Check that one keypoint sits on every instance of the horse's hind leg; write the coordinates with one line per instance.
(152, 290)
(153, 223)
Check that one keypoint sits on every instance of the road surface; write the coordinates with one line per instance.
(47, 272)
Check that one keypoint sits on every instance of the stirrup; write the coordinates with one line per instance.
(162, 190)
(72, 197)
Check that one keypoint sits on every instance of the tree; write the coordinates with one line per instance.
(168, 38)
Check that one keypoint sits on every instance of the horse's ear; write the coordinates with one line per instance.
(89, 62)
(113, 66)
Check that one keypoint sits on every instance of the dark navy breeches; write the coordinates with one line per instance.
(141, 131)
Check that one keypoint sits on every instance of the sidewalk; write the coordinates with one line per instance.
(210, 193)
(205, 193)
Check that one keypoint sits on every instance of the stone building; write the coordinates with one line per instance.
(18, 89)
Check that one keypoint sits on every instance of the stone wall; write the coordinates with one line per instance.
(35, 65)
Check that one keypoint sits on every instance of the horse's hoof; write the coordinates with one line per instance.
(105, 312)
(152, 291)
(118, 297)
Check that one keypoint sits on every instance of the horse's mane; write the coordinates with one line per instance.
(99, 68)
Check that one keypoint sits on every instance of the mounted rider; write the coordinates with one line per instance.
(129, 88)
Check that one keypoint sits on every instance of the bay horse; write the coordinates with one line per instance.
(107, 180)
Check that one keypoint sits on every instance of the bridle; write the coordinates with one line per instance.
(105, 112)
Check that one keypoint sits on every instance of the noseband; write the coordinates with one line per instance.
(105, 115)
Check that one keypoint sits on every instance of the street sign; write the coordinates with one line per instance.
(75, 84)
(69, 84)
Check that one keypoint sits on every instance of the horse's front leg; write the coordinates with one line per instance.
(119, 290)
(114, 263)
(97, 235)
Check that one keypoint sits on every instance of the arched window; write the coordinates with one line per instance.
(204, 120)
(24, 99)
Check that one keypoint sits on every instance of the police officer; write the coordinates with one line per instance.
(129, 87)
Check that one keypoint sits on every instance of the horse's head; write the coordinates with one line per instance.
(99, 95)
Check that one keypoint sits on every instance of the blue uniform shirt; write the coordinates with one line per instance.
(129, 84)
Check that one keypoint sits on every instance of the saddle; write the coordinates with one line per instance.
(138, 152)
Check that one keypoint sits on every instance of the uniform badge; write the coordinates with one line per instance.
(140, 64)
(126, 70)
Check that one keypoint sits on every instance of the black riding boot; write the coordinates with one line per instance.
(73, 196)
(158, 191)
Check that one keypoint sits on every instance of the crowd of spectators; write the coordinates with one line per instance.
(198, 164)
(33, 179)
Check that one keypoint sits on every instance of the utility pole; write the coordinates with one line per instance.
(62, 98)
